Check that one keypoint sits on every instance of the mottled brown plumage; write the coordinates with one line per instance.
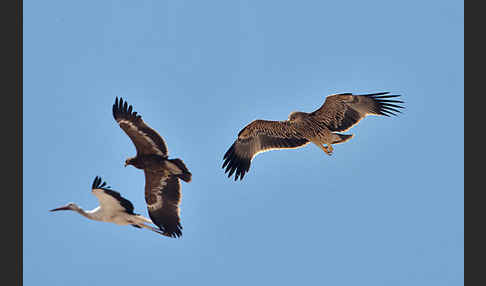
(339, 113)
(162, 187)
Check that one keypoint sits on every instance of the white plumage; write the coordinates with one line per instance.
(113, 208)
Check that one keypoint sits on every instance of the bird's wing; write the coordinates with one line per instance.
(342, 111)
(109, 199)
(260, 136)
(163, 195)
(145, 139)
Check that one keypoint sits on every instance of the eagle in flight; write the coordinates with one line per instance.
(339, 113)
(162, 186)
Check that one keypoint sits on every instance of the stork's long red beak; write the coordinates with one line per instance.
(64, 208)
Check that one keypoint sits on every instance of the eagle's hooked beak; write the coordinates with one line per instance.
(64, 208)
(126, 164)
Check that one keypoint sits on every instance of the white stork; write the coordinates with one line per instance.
(113, 208)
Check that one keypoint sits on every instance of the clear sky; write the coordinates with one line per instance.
(386, 209)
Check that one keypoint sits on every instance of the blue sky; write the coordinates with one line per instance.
(386, 209)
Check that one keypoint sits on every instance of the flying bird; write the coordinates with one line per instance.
(113, 208)
(162, 186)
(339, 113)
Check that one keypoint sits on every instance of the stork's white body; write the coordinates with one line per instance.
(110, 210)
(114, 216)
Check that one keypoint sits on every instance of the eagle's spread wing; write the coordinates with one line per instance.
(145, 139)
(163, 195)
(260, 136)
(342, 111)
(110, 199)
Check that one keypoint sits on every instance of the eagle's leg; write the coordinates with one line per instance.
(330, 149)
(327, 149)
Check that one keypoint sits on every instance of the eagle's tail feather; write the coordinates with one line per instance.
(341, 138)
(184, 173)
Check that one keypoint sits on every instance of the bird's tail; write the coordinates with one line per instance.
(181, 170)
(140, 223)
(341, 138)
(154, 229)
(143, 219)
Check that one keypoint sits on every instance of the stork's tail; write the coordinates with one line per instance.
(153, 229)
(181, 170)
(140, 221)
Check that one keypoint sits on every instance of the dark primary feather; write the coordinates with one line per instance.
(384, 106)
(234, 162)
(145, 139)
(166, 188)
(342, 111)
(97, 184)
(256, 137)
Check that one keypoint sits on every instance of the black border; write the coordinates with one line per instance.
(474, 187)
(12, 194)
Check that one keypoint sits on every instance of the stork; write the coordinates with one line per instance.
(113, 208)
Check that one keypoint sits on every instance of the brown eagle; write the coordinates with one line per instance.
(339, 113)
(162, 187)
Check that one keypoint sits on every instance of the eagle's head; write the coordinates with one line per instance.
(297, 116)
(131, 161)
